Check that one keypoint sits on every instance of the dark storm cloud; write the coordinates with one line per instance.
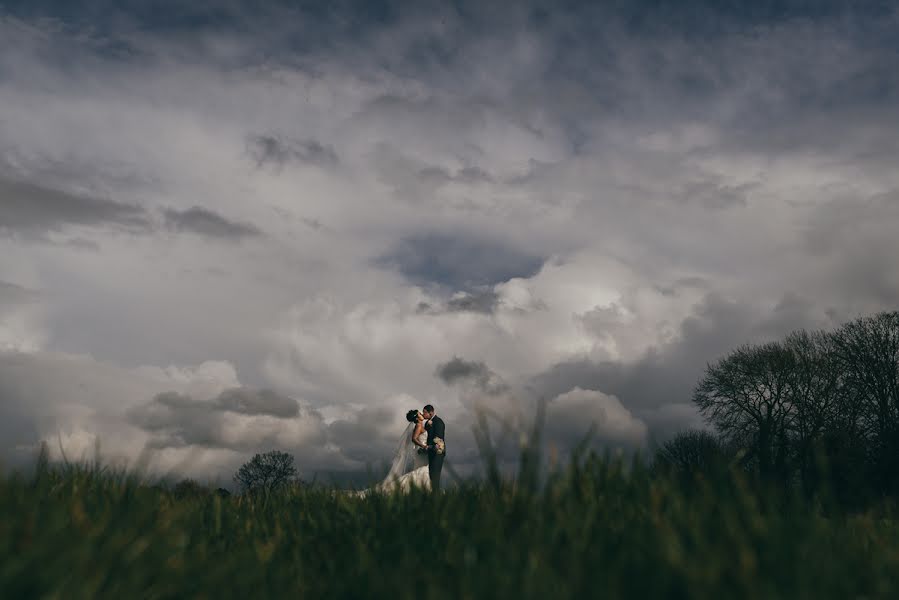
(356, 18)
(426, 40)
(203, 221)
(278, 152)
(178, 420)
(362, 437)
(31, 209)
(257, 402)
(478, 302)
(459, 262)
(458, 370)
(173, 16)
(856, 239)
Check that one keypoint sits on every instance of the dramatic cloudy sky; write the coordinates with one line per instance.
(225, 229)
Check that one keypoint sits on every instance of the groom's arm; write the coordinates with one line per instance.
(439, 429)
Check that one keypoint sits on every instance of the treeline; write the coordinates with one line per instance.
(815, 410)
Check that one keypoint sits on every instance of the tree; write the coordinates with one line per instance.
(266, 472)
(867, 352)
(745, 396)
(813, 392)
(820, 407)
(188, 488)
(690, 452)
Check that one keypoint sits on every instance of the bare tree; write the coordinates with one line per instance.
(266, 472)
(867, 352)
(815, 400)
(746, 397)
(689, 452)
(813, 395)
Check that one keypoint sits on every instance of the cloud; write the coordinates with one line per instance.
(458, 262)
(272, 150)
(411, 179)
(236, 419)
(30, 209)
(458, 370)
(12, 294)
(48, 395)
(482, 302)
(205, 222)
(603, 197)
(713, 196)
(20, 315)
(195, 421)
(658, 385)
(438, 176)
(569, 417)
(477, 301)
(852, 240)
(257, 402)
(371, 435)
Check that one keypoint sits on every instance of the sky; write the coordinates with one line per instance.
(226, 229)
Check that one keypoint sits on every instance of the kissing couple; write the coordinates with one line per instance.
(418, 460)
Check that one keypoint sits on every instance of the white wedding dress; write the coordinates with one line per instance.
(409, 468)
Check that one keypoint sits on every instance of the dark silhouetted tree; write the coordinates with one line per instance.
(188, 488)
(867, 352)
(812, 397)
(745, 396)
(691, 452)
(816, 408)
(266, 472)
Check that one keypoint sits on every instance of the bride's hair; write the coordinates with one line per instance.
(412, 416)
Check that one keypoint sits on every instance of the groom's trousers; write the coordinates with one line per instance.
(435, 466)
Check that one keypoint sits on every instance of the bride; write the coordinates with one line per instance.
(410, 460)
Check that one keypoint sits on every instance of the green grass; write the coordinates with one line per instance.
(594, 530)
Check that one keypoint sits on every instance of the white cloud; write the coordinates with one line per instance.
(73, 401)
(579, 409)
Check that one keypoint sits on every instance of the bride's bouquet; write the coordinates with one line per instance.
(439, 446)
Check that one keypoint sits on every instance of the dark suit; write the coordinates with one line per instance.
(436, 429)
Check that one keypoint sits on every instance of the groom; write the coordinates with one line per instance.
(436, 431)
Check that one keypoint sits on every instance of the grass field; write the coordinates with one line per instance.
(594, 529)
